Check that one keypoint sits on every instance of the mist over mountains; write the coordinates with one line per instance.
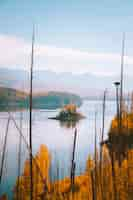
(85, 85)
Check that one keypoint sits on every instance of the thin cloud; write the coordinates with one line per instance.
(15, 53)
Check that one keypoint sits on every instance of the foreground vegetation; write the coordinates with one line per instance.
(109, 181)
(108, 176)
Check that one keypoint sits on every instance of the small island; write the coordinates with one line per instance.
(69, 114)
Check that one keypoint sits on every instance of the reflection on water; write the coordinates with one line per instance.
(56, 136)
(68, 124)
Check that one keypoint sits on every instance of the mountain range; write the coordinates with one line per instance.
(85, 85)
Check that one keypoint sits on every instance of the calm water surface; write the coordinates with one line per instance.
(57, 137)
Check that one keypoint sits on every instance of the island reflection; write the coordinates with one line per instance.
(68, 116)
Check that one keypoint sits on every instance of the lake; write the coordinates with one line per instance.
(57, 137)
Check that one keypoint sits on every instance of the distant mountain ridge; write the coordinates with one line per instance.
(85, 85)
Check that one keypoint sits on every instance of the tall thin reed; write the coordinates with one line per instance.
(73, 165)
(103, 126)
(27, 146)
(19, 160)
(121, 81)
(30, 120)
(95, 158)
(4, 149)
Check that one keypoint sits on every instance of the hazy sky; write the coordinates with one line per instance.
(71, 35)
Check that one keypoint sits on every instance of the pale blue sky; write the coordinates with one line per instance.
(90, 26)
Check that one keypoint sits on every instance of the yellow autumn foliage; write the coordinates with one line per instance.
(41, 164)
(127, 121)
(70, 108)
(106, 179)
(93, 183)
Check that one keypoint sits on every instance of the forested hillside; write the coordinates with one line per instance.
(14, 99)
